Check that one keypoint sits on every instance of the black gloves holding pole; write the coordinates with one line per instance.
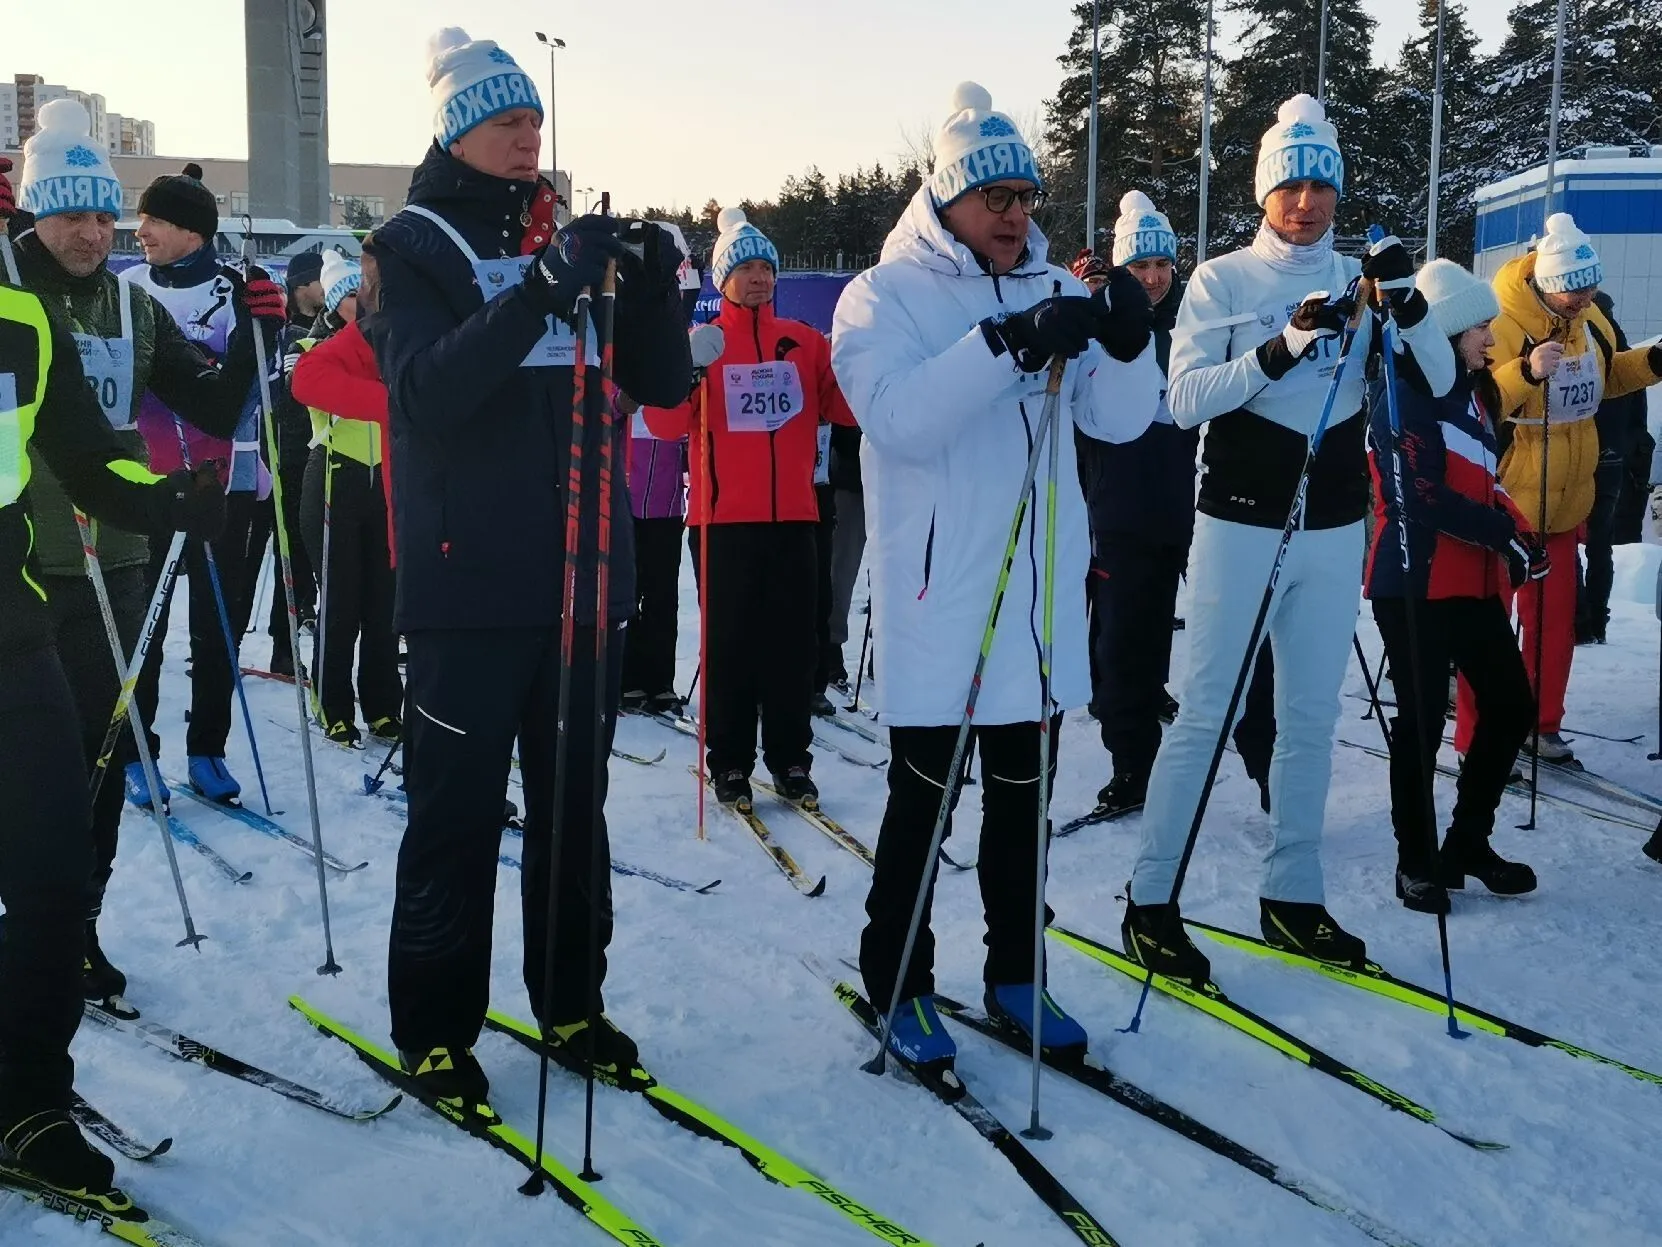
(647, 258)
(189, 501)
(1117, 317)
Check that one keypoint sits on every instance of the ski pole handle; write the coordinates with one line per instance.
(1059, 365)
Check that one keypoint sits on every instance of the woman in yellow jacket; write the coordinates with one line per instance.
(1555, 360)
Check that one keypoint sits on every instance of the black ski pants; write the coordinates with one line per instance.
(300, 561)
(763, 601)
(1592, 613)
(212, 688)
(649, 641)
(45, 862)
(828, 657)
(1009, 830)
(359, 593)
(1476, 636)
(472, 693)
(1134, 591)
(94, 683)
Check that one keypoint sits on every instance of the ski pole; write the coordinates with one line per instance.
(318, 688)
(1425, 743)
(1376, 709)
(1047, 749)
(124, 701)
(1540, 587)
(707, 502)
(133, 669)
(269, 417)
(598, 861)
(231, 648)
(865, 644)
(950, 788)
(533, 1185)
(1295, 518)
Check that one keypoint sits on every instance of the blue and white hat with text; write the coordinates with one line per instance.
(1565, 259)
(472, 81)
(738, 242)
(65, 169)
(339, 277)
(975, 146)
(1142, 232)
(1302, 146)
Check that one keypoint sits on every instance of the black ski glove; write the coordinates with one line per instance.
(190, 501)
(1389, 267)
(1124, 315)
(1319, 317)
(1526, 560)
(1062, 325)
(573, 258)
(655, 261)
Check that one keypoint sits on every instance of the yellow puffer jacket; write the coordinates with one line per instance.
(1573, 450)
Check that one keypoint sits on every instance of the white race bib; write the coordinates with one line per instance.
(11, 442)
(108, 365)
(557, 348)
(761, 398)
(822, 456)
(1576, 388)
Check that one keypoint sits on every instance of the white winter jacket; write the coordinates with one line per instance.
(948, 429)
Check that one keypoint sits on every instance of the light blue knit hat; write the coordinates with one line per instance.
(739, 241)
(976, 145)
(340, 277)
(472, 81)
(1565, 259)
(64, 168)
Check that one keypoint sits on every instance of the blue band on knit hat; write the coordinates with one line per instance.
(1302, 162)
(1149, 244)
(750, 244)
(1584, 278)
(71, 193)
(995, 162)
(483, 100)
(344, 286)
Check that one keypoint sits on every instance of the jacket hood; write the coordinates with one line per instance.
(920, 237)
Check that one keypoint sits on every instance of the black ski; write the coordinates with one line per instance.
(949, 1090)
(100, 1126)
(129, 1222)
(188, 1049)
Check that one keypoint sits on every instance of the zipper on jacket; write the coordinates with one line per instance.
(773, 454)
(928, 555)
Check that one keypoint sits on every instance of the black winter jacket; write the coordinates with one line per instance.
(1144, 488)
(480, 445)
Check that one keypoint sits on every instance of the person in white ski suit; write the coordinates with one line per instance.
(1253, 356)
(942, 351)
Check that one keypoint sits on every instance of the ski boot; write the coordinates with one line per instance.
(210, 778)
(138, 786)
(633, 702)
(1554, 748)
(919, 1038)
(1154, 937)
(388, 729)
(797, 787)
(668, 703)
(1122, 795)
(820, 705)
(282, 661)
(1476, 857)
(1011, 1005)
(344, 734)
(1301, 927)
(452, 1075)
(616, 1058)
(1421, 893)
(101, 983)
(733, 788)
(47, 1150)
(1168, 708)
(1653, 846)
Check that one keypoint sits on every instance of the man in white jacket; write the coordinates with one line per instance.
(1253, 357)
(942, 351)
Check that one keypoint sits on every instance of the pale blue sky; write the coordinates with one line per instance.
(661, 101)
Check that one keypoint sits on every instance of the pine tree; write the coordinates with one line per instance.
(1403, 134)
(1277, 58)
(1148, 117)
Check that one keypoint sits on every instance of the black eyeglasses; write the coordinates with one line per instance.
(999, 198)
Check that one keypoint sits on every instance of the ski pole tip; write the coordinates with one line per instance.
(329, 967)
(591, 1174)
(532, 1185)
(193, 940)
(877, 1065)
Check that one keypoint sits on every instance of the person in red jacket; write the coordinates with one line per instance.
(756, 424)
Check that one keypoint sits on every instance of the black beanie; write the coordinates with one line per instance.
(182, 199)
(304, 269)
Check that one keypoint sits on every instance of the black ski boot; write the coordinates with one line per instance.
(102, 983)
(1653, 846)
(797, 787)
(733, 788)
(1300, 927)
(1155, 938)
(633, 701)
(282, 659)
(616, 1058)
(1476, 857)
(668, 703)
(821, 706)
(47, 1149)
(1421, 893)
(449, 1074)
(1122, 795)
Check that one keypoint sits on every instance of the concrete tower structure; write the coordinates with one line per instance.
(288, 110)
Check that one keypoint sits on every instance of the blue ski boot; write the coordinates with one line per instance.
(138, 787)
(1011, 1005)
(919, 1038)
(210, 778)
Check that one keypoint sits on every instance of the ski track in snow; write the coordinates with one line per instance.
(713, 988)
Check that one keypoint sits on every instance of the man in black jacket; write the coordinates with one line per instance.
(1621, 422)
(474, 343)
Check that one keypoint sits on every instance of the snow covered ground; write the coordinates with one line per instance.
(714, 989)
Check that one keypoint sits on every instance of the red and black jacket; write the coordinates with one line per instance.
(1460, 518)
(756, 477)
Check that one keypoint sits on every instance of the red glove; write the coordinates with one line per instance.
(263, 298)
(8, 203)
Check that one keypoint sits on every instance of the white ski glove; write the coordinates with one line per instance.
(707, 343)
(1316, 318)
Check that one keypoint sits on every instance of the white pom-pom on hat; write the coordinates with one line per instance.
(1135, 202)
(439, 44)
(1560, 223)
(730, 219)
(973, 97)
(65, 116)
(1301, 107)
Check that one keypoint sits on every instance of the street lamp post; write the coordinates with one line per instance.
(553, 129)
(585, 192)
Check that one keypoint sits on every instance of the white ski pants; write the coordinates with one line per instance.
(1311, 620)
